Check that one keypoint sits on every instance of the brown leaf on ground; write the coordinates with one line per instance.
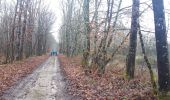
(111, 86)
(10, 73)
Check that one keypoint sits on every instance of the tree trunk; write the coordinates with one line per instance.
(87, 32)
(19, 31)
(130, 64)
(161, 46)
(13, 34)
(153, 81)
(24, 29)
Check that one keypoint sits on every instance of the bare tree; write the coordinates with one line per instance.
(161, 46)
(130, 64)
(87, 32)
(22, 22)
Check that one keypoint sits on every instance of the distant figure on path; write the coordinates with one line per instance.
(53, 52)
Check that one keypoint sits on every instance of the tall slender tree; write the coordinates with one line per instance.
(87, 31)
(130, 64)
(161, 45)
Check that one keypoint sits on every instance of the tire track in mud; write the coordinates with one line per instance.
(45, 83)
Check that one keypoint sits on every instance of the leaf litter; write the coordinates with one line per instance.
(113, 85)
(11, 73)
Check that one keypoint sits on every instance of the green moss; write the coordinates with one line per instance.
(164, 95)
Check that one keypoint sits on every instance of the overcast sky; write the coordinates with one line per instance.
(56, 8)
(147, 18)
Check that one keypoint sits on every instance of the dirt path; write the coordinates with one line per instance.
(45, 83)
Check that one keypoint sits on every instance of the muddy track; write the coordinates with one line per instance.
(45, 83)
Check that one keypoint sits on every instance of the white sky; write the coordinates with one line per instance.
(55, 7)
(147, 18)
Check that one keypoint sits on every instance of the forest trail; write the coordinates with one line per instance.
(45, 83)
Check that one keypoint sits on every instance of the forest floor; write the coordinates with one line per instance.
(39, 79)
(11, 73)
(44, 83)
(113, 85)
